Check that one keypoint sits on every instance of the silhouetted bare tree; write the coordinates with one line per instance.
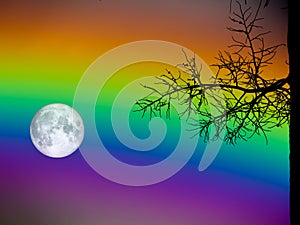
(253, 104)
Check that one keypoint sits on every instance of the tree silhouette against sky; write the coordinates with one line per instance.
(251, 103)
(254, 103)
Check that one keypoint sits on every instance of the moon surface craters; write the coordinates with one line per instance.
(57, 130)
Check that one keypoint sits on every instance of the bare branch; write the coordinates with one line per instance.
(254, 104)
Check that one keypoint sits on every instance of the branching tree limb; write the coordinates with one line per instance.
(254, 104)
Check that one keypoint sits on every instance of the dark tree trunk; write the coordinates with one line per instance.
(294, 73)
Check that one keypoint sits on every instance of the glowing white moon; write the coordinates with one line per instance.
(57, 130)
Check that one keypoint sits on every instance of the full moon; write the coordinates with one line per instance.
(57, 130)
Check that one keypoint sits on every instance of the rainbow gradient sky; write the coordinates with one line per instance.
(46, 47)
